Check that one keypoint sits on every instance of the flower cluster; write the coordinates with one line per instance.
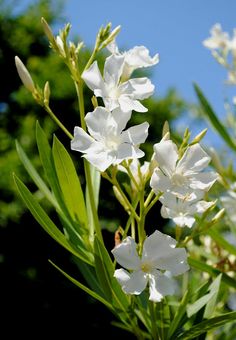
(223, 49)
(177, 177)
(182, 181)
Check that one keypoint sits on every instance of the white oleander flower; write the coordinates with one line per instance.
(181, 177)
(160, 260)
(229, 203)
(218, 38)
(107, 143)
(113, 92)
(135, 58)
(181, 211)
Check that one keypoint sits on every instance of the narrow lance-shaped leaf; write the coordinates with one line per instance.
(43, 219)
(204, 300)
(72, 228)
(212, 271)
(207, 325)
(69, 183)
(84, 288)
(35, 176)
(95, 179)
(45, 153)
(210, 114)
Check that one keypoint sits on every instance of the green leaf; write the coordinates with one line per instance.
(69, 183)
(207, 325)
(206, 299)
(77, 235)
(210, 114)
(35, 176)
(221, 241)
(95, 179)
(45, 153)
(84, 288)
(105, 273)
(214, 290)
(43, 219)
(179, 314)
(212, 271)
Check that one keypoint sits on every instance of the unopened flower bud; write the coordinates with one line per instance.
(199, 137)
(218, 216)
(120, 198)
(166, 129)
(46, 93)
(94, 101)
(47, 30)
(24, 75)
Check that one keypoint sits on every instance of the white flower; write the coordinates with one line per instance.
(229, 203)
(182, 211)
(181, 177)
(113, 92)
(159, 259)
(218, 39)
(107, 143)
(135, 58)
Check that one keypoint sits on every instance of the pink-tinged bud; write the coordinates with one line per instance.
(24, 75)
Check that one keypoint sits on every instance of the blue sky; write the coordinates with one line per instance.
(173, 28)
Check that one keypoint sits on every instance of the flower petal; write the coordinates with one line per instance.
(121, 118)
(133, 283)
(184, 220)
(194, 159)
(101, 159)
(127, 104)
(160, 285)
(81, 141)
(128, 151)
(97, 121)
(203, 181)
(126, 254)
(156, 246)
(139, 57)
(136, 134)
(166, 155)
(93, 77)
(113, 69)
(159, 182)
(143, 87)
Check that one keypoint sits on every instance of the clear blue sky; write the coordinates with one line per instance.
(173, 28)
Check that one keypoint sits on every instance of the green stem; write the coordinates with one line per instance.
(79, 90)
(153, 321)
(148, 207)
(127, 202)
(57, 121)
(141, 223)
(178, 232)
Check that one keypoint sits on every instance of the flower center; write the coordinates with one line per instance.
(114, 93)
(178, 179)
(112, 142)
(146, 267)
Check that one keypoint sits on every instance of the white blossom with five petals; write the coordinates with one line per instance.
(182, 177)
(107, 143)
(160, 260)
(182, 211)
(114, 93)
